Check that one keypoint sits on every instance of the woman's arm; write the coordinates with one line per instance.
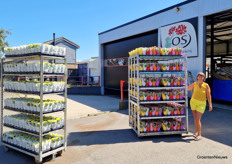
(208, 94)
(191, 87)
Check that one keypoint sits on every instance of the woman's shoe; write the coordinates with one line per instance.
(195, 135)
(197, 138)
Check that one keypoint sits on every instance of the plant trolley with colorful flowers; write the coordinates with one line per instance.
(26, 74)
(158, 103)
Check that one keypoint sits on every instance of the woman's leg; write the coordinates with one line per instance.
(198, 122)
(195, 121)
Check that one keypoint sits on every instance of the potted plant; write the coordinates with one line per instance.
(181, 110)
(164, 125)
(168, 111)
(145, 96)
(144, 66)
(174, 95)
(181, 66)
(164, 81)
(163, 67)
(157, 81)
(182, 125)
(182, 81)
(152, 96)
(153, 111)
(147, 67)
(165, 110)
(147, 82)
(177, 67)
(174, 66)
(180, 51)
(155, 66)
(168, 82)
(171, 67)
(142, 111)
(170, 95)
(148, 96)
(181, 95)
(176, 51)
(174, 124)
(177, 95)
(154, 126)
(160, 111)
(147, 111)
(167, 67)
(150, 82)
(175, 81)
(178, 110)
(148, 51)
(158, 96)
(153, 82)
(157, 51)
(155, 95)
(167, 95)
(168, 125)
(158, 66)
(148, 127)
(144, 51)
(163, 96)
(178, 81)
(159, 125)
(175, 111)
(141, 126)
(153, 51)
(172, 81)
(157, 111)
(140, 66)
(151, 127)
(151, 66)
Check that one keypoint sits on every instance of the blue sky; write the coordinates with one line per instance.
(77, 20)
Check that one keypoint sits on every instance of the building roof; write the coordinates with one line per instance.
(147, 16)
(65, 39)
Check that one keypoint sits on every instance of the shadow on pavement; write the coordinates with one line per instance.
(101, 103)
(16, 157)
(89, 138)
(216, 125)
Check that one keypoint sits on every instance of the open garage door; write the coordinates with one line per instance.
(219, 54)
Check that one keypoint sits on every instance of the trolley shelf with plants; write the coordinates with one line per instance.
(32, 129)
(158, 103)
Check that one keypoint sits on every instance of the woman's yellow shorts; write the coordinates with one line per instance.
(198, 105)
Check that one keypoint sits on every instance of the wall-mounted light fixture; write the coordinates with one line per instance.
(177, 9)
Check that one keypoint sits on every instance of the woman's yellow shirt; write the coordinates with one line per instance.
(199, 93)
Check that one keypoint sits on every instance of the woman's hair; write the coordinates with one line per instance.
(201, 74)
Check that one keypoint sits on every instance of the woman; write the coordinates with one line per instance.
(201, 91)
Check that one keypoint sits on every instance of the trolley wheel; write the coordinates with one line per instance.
(59, 153)
(37, 161)
(6, 148)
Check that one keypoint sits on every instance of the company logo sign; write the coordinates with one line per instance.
(180, 34)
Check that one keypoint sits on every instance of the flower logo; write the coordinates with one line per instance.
(180, 30)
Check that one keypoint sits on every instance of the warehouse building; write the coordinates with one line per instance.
(202, 27)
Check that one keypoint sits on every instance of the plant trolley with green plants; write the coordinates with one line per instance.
(158, 103)
(32, 127)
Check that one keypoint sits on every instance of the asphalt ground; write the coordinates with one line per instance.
(107, 138)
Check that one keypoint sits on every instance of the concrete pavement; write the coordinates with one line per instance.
(107, 138)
